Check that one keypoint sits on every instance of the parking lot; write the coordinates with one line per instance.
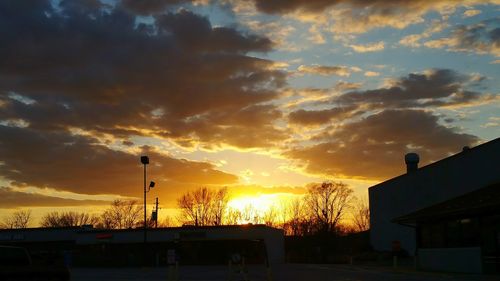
(285, 272)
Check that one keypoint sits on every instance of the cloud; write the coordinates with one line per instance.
(82, 165)
(481, 38)
(342, 86)
(372, 73)
(354, 16)
(324, 70)
(493, 122)
(432, 88)
(374, 147)
(317, 117)
(413, 40)
(471, 13)
(10, 198)
(171, 78)
(147, 7)
(278, 31)
(372, 47)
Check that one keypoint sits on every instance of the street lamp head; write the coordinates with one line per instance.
(151, 184)
(144, 160)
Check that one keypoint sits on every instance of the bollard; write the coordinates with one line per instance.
(269, 272)
(230, 273)
(176, 272)
(169, 273)
(395, 261)
(244, 269)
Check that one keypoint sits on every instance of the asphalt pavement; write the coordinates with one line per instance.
(284, 272)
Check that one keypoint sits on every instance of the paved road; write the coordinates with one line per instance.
(287, 272)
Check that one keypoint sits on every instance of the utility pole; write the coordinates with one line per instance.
(156, 218)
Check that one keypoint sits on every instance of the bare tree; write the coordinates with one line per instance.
(327, 203)
(270, 217)
(219, 205)
(361, 215)
(296, 215)
(233, 216)
(203, 206)
(251, 215)
(167, 221)
(18, 219)
(67, 219)
(122, 214)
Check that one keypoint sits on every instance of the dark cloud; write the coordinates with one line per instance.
(82, 165)
(287, 6)
(94, 67)
(431, 89)
(318, 117)
(324, 70)
(434, 88)
(374, 147)
(482, 38)
(358, 16)
(10, 198)
(147, 7)
(381, 6)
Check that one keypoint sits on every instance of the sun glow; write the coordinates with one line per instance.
(258, 208)
(260, 203)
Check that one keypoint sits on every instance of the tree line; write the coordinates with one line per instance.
(321, 210)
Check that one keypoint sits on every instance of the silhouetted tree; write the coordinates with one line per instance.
(361, 215)
(296, 217)
(122, 214)
(203, 206)
(219, 206)
(327, 203)
(251, 215)
(18, 219)
(233, 217)
(167, 221)
(270, 217)
(66, 219)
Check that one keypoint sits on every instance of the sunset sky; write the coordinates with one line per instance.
(261, 96)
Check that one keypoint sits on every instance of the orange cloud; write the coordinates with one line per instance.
(11, 198)
(82, 165)
(372, 47)
(324, 70)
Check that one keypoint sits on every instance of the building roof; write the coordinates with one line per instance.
(460, 156)
(482, 201)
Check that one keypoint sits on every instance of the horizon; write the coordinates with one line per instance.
(263, 97)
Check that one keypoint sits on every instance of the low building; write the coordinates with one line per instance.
(446, 213)
(86, 246)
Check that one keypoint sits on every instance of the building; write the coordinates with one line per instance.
(446, 213)
(86, 246)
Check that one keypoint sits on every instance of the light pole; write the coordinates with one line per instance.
(145, 162)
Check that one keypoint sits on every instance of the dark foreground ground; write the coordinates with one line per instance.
(285, 272)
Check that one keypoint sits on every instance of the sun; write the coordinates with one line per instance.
(259, 206)
(259, 203)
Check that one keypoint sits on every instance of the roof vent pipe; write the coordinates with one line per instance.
(411, 160)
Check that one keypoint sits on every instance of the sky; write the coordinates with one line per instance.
(264, 97)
